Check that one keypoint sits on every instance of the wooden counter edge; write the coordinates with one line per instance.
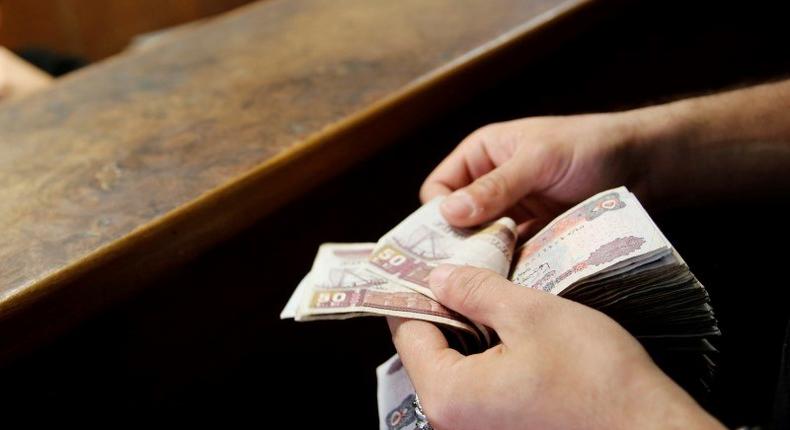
(60, 299)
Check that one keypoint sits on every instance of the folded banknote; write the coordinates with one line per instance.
(605, 252)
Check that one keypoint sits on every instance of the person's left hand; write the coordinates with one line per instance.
(561, 365)
(18, 77)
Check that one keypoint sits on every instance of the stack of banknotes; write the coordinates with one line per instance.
(605, 252)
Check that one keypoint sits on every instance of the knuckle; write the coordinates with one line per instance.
(493, 183)
(472, 285)
(394, 337)
(425, 191)
(483, 133)
(536, 309)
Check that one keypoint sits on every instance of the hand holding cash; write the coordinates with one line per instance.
(605, 253)
(555, 356)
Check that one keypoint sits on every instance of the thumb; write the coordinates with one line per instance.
(484, 297)
(488, 196)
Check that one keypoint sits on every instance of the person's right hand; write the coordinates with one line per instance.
(560, 364)
(532, 169)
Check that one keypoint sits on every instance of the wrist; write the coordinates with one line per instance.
(647, 139)
(703, 148)
(664, 144)
(656, 402)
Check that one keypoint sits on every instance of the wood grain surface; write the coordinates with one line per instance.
(95, 29)
(135, 164)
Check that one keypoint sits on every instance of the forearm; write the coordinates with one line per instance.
(715, 145)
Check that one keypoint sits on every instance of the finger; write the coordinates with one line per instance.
(433, 189)
(450, 175)
(519, 213)
(530, 227)
(423, 349)
(487, 298)
(531, 214)
(490, 195)
(469, 160)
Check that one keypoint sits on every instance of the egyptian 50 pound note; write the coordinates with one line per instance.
(342, 285)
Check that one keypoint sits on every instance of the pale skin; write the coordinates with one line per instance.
(562, 365)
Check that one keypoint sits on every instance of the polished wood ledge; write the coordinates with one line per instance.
(135, 164)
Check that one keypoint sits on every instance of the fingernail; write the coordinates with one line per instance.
(439, 275)
(458, 205)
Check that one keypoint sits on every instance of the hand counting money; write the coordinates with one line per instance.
(605, 252)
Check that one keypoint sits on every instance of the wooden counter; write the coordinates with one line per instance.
(135, 164)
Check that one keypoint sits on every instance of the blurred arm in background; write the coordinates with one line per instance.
(18, 78)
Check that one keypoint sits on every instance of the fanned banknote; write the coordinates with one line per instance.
(424, 240)
(605, 252)
(390, 277)
(343, 284)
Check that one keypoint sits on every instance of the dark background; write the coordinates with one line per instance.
(204, 342)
